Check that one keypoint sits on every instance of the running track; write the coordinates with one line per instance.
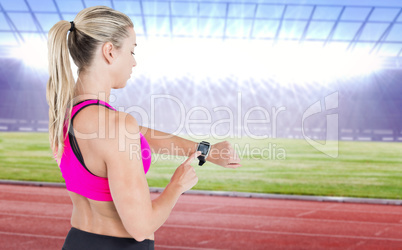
(39, 218)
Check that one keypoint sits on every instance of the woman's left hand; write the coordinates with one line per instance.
(224, 155)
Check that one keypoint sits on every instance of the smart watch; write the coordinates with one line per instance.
(204, 148)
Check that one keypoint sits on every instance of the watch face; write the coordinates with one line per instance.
(203, 148)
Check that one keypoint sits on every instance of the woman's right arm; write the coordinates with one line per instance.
(129, 188)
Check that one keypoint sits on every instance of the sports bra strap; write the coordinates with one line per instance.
(80, 105)
(73, 141)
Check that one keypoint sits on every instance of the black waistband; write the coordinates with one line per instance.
(77, 239)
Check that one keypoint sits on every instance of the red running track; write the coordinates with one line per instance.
(39, 218)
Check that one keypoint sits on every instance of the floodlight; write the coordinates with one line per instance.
(33, 54)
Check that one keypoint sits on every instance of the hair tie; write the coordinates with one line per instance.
(72, 26)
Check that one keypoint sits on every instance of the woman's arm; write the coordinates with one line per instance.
(165, 143)
(129, 188)
(221, 153)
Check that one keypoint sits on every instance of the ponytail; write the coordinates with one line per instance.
(60, 86)
(91, 28)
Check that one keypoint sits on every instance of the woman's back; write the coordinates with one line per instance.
(92, 125)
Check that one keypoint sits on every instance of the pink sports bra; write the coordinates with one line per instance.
(77, 176)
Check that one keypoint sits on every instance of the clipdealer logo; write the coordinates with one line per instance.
(329, 147)
(236, 117)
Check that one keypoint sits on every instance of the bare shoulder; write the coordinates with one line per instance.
(126, 122)
(103, 121)
(102, 129)
(116, 132)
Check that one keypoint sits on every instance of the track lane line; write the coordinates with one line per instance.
(295, 208)
(307, 213)
(294, 218)
(282, 233)
(33, 235)
(37, 216)
(36, 203)
(188, 248)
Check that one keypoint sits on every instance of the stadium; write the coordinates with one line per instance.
(308, 92)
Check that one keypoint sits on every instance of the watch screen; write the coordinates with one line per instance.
(203, 148)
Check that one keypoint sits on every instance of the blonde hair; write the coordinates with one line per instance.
(94, 26)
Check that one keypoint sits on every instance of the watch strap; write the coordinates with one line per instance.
(201, 159)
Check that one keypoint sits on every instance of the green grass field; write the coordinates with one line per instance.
(362, 169)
